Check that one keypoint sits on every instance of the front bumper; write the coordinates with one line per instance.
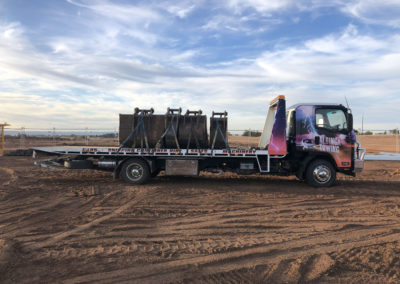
(359, 154)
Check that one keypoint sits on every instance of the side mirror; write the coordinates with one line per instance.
(350, 121)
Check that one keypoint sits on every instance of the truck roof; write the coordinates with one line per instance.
(315, 104)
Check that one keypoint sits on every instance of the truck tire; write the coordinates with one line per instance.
(78, 164)
(320, 173)
(135, 171)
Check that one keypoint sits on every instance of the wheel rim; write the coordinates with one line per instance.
(134, 171)
(322, 174)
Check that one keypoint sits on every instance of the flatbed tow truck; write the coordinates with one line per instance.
(310, 141)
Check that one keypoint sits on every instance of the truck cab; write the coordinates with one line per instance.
(323, 133)
(317, 142)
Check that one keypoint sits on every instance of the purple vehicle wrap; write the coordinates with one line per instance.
(334, 145)
(277, 144)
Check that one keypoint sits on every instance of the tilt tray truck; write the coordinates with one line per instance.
(310, 141)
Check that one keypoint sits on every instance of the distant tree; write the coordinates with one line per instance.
(394, 131)
(251, 133)
(368, 132)
(107, 135)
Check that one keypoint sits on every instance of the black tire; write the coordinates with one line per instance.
(320, 173)
(78, 164)
(135, 171)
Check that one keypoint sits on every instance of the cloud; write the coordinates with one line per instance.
(119, 56)
(121, 19)
(362, 67)
(375, 12)
(259, 5)
(180, 9)
(240, 24)
(368, 11)
(336, 58)
(345, 63)
(119, 12)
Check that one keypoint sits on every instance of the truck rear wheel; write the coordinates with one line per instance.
(320, 173)
(135, 171)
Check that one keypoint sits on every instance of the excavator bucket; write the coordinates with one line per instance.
(219, 130)
(153, 128)
(193, 130)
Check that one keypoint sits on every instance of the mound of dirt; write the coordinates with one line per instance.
(319, 265)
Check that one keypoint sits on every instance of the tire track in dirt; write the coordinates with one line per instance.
(29, 210)
(139, 195)
(212, 244)
(223, 262)
(208, 229)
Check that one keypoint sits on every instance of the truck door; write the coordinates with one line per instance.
(324, 129)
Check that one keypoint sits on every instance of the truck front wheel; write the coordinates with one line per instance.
(321, 173)
(135, 171)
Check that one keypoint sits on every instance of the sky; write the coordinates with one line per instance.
(79, 63)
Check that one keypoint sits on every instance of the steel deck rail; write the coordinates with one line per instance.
(113, 151)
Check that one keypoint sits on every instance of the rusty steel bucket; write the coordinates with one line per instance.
(153, 126)
(219, 130)
(172, 130)
(193, 130)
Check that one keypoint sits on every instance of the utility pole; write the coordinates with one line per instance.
(3, 125)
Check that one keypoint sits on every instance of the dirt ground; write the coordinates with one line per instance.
(81, 226)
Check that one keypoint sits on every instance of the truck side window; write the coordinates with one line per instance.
(331, 119)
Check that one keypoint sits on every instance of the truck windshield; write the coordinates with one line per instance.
(331, 119)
